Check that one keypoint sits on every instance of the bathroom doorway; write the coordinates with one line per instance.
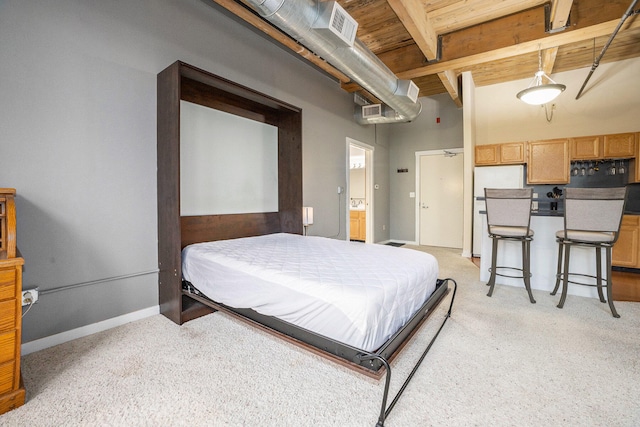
(359, 191)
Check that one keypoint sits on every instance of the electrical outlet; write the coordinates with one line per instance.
(29, 296)
(340, 190)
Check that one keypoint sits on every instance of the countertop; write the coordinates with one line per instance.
(544, 207)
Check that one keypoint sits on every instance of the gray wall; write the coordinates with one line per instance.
(405, 140)
(78, 140)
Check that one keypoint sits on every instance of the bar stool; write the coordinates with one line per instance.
(508, 218)
(592, 218)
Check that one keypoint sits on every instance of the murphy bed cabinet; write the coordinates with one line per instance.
(548, 162)
(12, 393)
(183, 82)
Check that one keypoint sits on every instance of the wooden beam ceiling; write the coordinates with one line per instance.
(496, 41)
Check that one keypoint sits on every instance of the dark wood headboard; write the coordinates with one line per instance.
(181, 81)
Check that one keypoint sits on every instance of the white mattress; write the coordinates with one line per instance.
(358, 294)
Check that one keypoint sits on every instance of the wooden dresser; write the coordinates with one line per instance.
(12, 392)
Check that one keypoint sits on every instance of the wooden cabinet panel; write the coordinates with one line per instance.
(12, 391)
(7, 346)
(512, 152)
(7, 283)
(6, 377)
(487, 154)
(354, 226)
(625, 251)
(500, 154)
(7, 314)
(637, 160)
(621, 145)
(548, 162)
(358, 225)
(586, 148)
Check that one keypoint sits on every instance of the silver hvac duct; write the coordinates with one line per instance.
(298, 17)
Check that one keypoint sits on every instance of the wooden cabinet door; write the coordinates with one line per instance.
(487, 155)
(363, 226)
(586, 148)
(621, 145)
(548, 162)
(637, 162)
(512, 153)
(625, 251)
(354, 225)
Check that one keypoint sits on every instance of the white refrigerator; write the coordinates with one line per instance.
(491, 177)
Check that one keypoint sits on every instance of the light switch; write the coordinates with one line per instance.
(412, 195)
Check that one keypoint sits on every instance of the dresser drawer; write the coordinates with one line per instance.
(7, 346)
(7, 372)
(7, 315)
(7, 283)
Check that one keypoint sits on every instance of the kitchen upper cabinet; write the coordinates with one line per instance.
(548, 162)
(586, 148)
(619, 146)
(509, 153)
(512, 153)
(626, 250)
(487, 155)
(604, 147)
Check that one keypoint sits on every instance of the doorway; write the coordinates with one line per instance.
(439, 201)
(359, 195)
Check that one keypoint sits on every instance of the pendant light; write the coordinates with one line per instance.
(539, 93)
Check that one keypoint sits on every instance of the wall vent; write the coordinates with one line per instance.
(409, 89)
(371, 111)
(334, 20)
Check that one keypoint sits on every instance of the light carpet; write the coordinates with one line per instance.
(499, 361)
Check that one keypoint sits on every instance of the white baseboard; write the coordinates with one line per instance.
(83, 331)
(407, 242)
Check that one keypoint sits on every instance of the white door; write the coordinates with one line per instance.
(441, 200)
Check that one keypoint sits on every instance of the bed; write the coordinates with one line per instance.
(359, 303)
(189, 288)
(353, 293)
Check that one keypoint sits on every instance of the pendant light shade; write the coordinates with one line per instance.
(539, 93)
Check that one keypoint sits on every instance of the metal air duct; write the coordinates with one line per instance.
(305, 21)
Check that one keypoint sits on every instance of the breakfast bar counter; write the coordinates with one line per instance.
(544, 256)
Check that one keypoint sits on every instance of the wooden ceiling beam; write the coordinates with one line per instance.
(463, 14)
(560, 10)
(450, 82)
(546, 42)
(516, 29)
(549, 59)
(414, 18)
(416, 21)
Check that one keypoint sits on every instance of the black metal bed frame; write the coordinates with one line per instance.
(371, 361)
